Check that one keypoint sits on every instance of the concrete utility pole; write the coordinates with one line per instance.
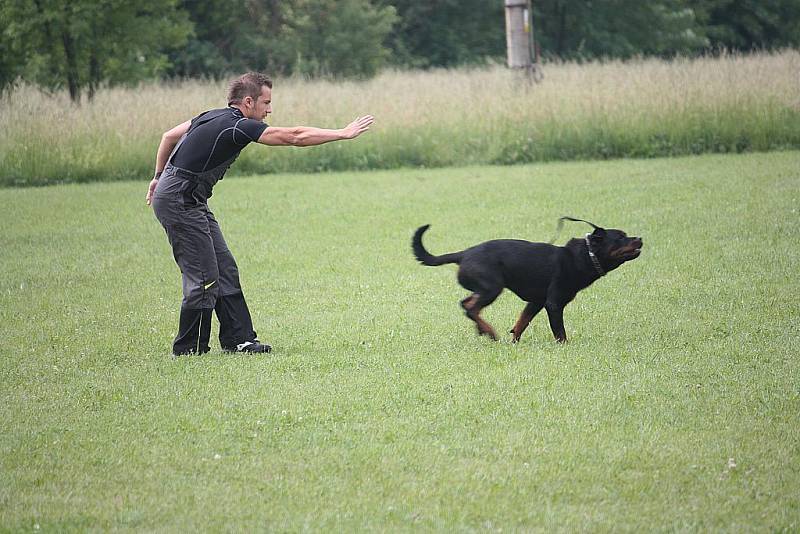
(519, 37)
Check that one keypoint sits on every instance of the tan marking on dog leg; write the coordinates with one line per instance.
(524, 320)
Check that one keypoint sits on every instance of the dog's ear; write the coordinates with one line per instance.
(573, 219)
(600, 232)
(596, 237)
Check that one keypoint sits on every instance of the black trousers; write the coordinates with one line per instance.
(209, 272)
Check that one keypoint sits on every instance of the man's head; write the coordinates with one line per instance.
(252, 94)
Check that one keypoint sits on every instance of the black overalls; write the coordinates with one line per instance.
(210, 274)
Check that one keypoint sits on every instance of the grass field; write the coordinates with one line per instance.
(640, 108)
(675, 406)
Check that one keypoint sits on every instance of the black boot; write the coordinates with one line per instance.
(235, 323)
(194, 332)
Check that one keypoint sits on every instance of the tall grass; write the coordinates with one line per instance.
(641, 108)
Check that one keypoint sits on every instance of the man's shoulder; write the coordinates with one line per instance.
(252, 128)
(212, 113)
(230, 119)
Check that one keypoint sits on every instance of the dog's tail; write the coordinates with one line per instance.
(425, 257)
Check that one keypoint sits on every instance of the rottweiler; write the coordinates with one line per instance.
(542, 274)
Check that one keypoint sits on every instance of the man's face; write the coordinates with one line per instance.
(260, 107)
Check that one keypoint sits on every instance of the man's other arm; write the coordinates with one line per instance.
(169, 139)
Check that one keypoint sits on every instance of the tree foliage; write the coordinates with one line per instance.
(331, 37)
(344, 37)
(81, 44)
(443, 33)
(747, 24)
(616, 28)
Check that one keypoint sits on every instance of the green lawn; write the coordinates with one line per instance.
(675, 406)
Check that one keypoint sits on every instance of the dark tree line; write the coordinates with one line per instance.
(83, 44)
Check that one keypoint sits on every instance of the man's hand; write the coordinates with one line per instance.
(149, 197)
(358, 126)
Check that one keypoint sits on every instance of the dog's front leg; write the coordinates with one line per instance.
(555, 313)
(530, 311)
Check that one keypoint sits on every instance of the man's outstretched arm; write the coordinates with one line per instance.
(168, 142)
(310, 136)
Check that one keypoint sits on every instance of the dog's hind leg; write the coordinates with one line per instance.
(530, 311)
(473, 305)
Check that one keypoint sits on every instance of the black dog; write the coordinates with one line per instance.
(543, 275)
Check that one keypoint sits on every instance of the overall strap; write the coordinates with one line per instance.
(218, 172)
(175, 149)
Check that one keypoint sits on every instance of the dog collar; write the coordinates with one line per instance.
(595, 261)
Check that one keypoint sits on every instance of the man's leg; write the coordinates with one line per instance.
(194, 332)
(236, 331)
(193, 249)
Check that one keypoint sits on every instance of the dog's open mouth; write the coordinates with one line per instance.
(631, 251)
(634, 250)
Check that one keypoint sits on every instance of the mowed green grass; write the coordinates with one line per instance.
(675, 405)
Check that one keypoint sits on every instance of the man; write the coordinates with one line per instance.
(191, 158)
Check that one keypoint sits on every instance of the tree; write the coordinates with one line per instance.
(10, 66)
(217, 39)
(616, 28)
(444, 33)
(82, 43)
(344, 37)
(331, 37)
(747, 24)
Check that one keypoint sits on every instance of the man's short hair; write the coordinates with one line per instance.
(249, 84)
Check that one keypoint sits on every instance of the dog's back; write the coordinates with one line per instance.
(526, 268)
